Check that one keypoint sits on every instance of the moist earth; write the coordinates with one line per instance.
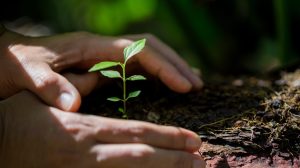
(243, 121)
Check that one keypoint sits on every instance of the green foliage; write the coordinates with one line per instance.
(111, 74)
(198, 30)
(133, 49)
(129, 52)
(134, 94)
(114, 99)
(103, 65)
(136, 77)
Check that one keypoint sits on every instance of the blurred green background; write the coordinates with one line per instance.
(232, 36)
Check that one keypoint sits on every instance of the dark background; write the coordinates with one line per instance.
(217, 36)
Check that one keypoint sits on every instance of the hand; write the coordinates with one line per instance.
(36, 135)
(35, 64)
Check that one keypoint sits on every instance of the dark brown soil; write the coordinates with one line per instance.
(244, 122)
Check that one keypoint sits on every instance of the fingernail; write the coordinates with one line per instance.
(198, 82)
(185, 84)
(65, 101)
(193, 143)
(199, 164)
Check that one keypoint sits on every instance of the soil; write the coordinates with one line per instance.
(243, 122)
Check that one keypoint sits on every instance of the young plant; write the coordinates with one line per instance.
(128, 52)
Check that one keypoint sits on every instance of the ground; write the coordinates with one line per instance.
(243, 121)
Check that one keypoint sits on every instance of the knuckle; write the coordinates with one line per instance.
(70, 119)
(123, 42)
(74, 125)
(101, 130)
(138, 132)
(98, 128)
(142, 153)
(143, 150)
(43, 81)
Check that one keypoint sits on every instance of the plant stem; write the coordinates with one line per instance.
(124, 88)
(283, 34)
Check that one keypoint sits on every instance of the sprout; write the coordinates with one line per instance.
(129, 52)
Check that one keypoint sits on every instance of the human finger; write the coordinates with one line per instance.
(166, 72)
(172, 57)
(140, 155)
(149, 60)
(84, 83)
(123, 131)
(51, 87)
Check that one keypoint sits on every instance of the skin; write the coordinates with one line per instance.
(41, 92)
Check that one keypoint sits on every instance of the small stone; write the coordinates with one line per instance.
(276, 103)
(238, 82)
(152, 116)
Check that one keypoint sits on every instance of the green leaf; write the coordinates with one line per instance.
(134, 94)
(136, 77)
(133, 49)
(125, 116)
(111, 74)
(114, 99)
(121, 110)
(103, 65)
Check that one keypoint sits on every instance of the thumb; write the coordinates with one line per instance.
(84, 83)
(55, 90)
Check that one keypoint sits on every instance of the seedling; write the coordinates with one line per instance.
(128, 52)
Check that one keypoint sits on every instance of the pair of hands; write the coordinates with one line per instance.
(35, 64)
(47, 134)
